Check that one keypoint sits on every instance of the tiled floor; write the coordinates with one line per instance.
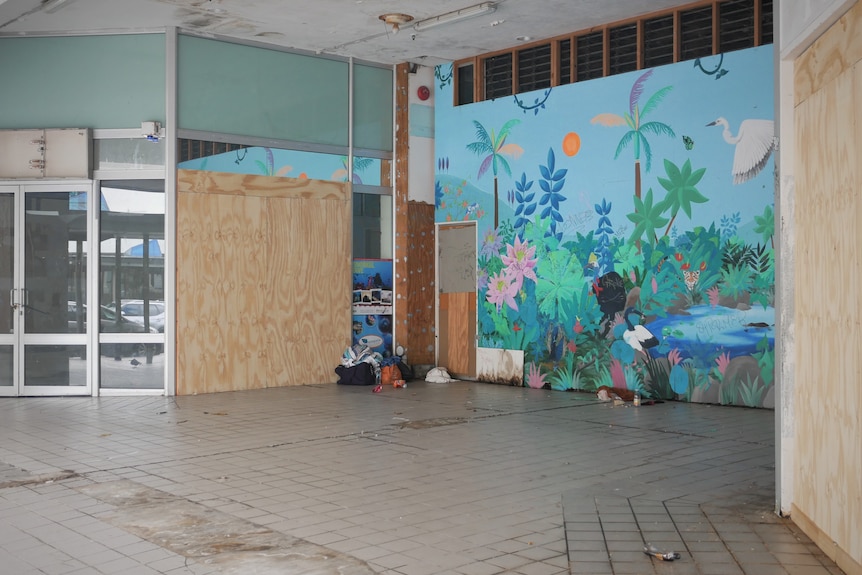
(460, 479)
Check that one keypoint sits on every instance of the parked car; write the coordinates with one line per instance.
(108, 323)
(133, 310)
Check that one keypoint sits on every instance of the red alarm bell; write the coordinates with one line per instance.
(423, 92)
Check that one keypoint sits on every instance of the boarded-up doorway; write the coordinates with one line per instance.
(456, 281)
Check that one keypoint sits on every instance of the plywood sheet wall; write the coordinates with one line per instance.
(828, 332)
(420, 285)
(263, 281)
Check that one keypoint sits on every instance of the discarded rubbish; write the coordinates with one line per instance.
(377, 389)
(654, 551)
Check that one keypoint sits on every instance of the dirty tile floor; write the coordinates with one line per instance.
(445, 479)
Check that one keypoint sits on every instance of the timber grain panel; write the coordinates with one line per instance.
(263, 281)
(827, 395)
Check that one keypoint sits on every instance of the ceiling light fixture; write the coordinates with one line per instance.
(455, 16)
(396, 20)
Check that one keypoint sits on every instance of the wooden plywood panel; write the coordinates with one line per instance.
(263, 281)
(827, 396)
(308, 289)
(420, 283)
(830, 56)
(458, 333)
(220, 305)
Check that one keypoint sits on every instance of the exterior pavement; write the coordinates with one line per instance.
(446, 479)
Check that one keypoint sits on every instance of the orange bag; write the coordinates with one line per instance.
(389, 374)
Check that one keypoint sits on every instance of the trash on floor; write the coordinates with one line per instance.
(654, 551)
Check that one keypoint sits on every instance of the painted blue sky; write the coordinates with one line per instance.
(744, 91)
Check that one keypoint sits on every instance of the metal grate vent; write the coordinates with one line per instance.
(565, 61)
(465, 84)
(498, 76)
(695, 33)
(623, 55)
(765, 22)
(590, 56)
(658, 41)
(534, 68)
(194, 149)
(736, 25)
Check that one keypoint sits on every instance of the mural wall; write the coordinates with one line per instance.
(626, 227)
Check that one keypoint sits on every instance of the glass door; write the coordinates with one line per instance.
(44, 321)
(7, 270)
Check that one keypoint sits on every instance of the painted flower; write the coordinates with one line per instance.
(572, 346)
(674, 356)
(501, 291)
(482, 279)
(723, 361)
(535, 378)
(578, 327)
(491, 244)
(520, 261)
(713, 295)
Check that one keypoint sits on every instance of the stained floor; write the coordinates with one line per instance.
(446, 479)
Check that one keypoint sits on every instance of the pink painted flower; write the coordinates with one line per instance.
(578, 327)
(712, 293)
(654, 285)
(535, 378)
(519, 261)
(501, 290)
(674, 356)
(722, 361)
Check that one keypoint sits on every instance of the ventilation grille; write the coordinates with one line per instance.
(534, 68)
(565, 61)
(766, 22)
(736, 25)
(658, 41)
(465, 84)
(623, 49)
(498, 76)
(590, 56)
(696, 33)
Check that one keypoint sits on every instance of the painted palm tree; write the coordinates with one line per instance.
(495, 146)
(359, 165)
(681, 186)
(636, 136)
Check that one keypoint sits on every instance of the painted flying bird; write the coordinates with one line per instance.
(754, 143)
(637, 336)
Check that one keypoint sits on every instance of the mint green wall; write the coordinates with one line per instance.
(245, 90)
(82, 81)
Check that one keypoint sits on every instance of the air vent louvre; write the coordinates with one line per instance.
(623, 49)
(696, 33)
(498, 76)
(534, 68)
(736, 25)
(590, 56)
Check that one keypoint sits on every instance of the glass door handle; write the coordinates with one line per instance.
(12, 303)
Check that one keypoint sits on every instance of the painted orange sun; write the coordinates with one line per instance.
(571, 144)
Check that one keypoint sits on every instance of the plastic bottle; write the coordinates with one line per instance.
(637, 399)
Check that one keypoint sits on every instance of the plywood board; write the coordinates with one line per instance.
(457, 329)
(263, 281)
(418, 313)
(830, 56)
(828, 336)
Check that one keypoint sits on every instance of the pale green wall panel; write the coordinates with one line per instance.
(251, 91)
(115, 81)
(372, 107)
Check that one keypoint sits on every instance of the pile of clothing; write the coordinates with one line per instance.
(359, 366)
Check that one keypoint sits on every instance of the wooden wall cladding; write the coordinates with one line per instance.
(420, 284)
(827, 397)
(263, 281)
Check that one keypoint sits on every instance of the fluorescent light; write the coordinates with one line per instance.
(455, 16)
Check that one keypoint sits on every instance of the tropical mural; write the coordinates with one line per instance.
(625, 227)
